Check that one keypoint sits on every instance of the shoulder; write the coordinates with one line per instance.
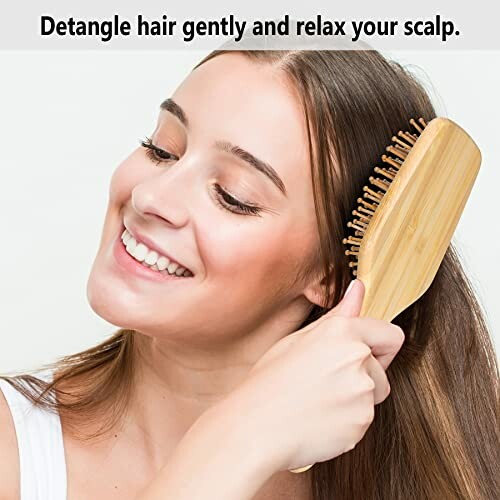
(9, 455)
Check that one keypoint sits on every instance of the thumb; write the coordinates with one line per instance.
(350, 305)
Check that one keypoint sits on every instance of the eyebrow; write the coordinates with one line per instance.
(175, 109)
(260, 165)
(253, 161)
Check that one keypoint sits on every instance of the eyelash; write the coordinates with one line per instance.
(154, 153)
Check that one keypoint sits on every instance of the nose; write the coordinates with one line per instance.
(166, 195)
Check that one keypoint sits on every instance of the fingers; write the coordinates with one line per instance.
(350, 305)
(377, 373)
(384, 339)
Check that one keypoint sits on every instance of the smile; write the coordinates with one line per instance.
(152, 259)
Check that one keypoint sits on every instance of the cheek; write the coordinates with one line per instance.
(122, 181)
(251, 254)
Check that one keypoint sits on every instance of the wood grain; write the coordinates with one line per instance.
(411, 229)
(407, 237)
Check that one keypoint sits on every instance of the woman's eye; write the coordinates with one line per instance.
(225, 200)
(222, 197)
(156, 154)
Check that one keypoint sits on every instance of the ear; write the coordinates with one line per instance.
(315, 292)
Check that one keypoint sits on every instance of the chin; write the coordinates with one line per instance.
(106, 303)
(112, 303)
(121, 307)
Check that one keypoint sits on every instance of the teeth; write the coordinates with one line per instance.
(126, 236)
(172, 267)
(151, 258)
(162, 263)
(130, 245)
(140, 252)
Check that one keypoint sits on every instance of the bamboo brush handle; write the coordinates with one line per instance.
(411, 229)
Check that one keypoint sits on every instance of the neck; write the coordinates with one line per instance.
(176, 382)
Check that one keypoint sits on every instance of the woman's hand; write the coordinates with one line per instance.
(308, 399)
(311, 396)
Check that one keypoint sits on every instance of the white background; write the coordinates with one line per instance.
(67, 119)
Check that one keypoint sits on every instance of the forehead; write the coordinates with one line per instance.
(252, 105)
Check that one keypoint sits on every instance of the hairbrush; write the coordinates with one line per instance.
(406, 217)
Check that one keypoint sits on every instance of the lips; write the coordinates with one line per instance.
(151, 244)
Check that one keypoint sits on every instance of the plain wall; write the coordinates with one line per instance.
(69, 118)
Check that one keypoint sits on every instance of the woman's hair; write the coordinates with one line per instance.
(436, 436)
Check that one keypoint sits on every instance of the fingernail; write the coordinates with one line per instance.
(349, 287)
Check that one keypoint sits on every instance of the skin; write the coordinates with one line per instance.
(200, 336)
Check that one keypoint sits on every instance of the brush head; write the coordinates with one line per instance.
(407, 215)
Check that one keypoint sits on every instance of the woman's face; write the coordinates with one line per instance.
(229, 122)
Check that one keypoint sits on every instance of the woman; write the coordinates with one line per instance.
(243, 191)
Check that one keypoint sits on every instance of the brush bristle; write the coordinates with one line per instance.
(373, 194)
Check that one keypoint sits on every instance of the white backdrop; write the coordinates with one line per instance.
(67, 119)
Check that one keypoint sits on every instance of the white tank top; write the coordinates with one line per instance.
(40, 443)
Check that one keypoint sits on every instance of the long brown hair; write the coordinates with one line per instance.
(436, 436)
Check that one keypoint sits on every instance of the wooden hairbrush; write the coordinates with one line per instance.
(407, 216)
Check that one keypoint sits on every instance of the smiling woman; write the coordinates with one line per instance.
(220, 253)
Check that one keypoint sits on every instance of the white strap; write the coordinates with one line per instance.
(40, 444)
